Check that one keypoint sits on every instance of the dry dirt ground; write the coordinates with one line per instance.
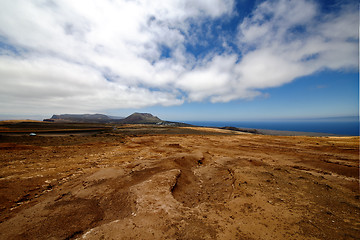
(179, 183)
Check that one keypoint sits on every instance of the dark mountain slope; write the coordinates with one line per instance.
(137, 118)
(93, 118)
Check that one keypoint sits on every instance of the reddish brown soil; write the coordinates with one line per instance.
(207, 184)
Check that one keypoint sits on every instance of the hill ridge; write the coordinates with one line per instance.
(135, 118)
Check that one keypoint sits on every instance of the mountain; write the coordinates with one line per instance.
(87, 118)
(137, 118)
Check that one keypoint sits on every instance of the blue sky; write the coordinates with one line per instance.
(327, 94)
(219, 60)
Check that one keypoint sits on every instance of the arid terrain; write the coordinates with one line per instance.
(161, 182)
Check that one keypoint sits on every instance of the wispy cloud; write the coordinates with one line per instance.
(283, 40)
(71, 56)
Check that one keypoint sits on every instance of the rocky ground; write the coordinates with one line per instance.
(141, 182)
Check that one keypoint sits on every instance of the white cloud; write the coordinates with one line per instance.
(91, 56)
(287, 39)
(67, 47)
(52, 85)
(281, 41)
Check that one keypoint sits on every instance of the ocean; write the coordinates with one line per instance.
(350, 128)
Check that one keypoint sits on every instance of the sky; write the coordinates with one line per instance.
(212, 60)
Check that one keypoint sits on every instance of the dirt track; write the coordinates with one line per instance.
(179, 186)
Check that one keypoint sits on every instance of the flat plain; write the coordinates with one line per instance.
(162, 182)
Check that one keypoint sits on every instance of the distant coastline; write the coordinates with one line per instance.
(318, 127)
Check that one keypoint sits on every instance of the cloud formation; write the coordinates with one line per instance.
(81, 56)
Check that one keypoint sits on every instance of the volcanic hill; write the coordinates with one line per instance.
(141, 118)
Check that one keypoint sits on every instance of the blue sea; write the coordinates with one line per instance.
(350, 128)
